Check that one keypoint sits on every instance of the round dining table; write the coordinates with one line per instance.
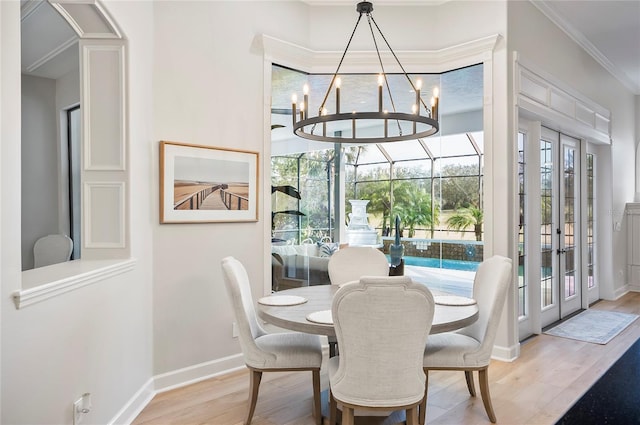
(447, 317)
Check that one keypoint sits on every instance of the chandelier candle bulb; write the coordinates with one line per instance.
(434, 109)
(305, 91)
(294, 100)
(414, 108)
(324, 124)
(380, 83)
(338, 84)
(418, 87)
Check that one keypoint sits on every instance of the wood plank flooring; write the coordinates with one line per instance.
(536, 389)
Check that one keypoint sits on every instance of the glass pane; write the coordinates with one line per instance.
(546, 228)
(522, 281)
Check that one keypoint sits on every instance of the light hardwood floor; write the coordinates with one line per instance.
(548, 377)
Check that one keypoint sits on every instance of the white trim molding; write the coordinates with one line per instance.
(547, 97)
(52, 281)
(199, 372)
(82, 14)
(427, 61)
(135, 405)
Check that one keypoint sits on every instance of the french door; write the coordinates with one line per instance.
(561, 226)
(557, 267)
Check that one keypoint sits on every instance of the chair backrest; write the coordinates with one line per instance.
(52, 249)
(381, 324)
(351, 263)
(490, 287)
(239, 290)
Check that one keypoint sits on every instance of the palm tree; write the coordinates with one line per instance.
(466, 217)
(416, 210)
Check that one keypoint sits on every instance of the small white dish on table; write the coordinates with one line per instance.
(323, 317)
(453, 300)
(282, 300)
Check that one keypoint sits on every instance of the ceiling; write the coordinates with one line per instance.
(608, 29)
(49, 45)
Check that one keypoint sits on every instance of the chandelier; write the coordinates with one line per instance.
(405, 125)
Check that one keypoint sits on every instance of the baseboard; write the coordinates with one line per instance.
(134, 406)
(623, 290)
(506, 354)
(175, 379)
(196, 373)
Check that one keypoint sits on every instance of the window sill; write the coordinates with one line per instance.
(48, 282)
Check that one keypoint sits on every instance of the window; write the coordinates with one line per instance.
(433, 184)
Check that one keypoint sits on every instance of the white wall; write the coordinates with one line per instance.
(97, 338)
(39, 163)
(539, 41)
(208, 87)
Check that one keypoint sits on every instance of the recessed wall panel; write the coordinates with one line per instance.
(103, 103)
(104, 215)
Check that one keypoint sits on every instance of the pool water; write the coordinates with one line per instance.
(438, 263)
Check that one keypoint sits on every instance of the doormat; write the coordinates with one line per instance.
(596, 326)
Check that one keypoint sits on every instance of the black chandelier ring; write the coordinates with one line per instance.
(413, 119)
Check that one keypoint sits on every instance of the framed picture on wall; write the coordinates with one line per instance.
(204, 184)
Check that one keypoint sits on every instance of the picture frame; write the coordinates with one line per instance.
(206, 184)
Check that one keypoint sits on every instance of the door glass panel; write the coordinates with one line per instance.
(569, 222)
(590, 205)
(546, 228)
(522, 287)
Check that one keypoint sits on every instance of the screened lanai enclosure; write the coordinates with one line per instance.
(433, 185)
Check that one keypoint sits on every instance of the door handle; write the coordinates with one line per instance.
(561, 251)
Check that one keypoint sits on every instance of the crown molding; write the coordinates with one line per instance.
(581, 40)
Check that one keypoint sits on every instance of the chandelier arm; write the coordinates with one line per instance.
(386, 81)
(335, 74)
(398, 61)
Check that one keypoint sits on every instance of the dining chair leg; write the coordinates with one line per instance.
(255, 378)
(468, 374)
(422, 409)
(483, 376)
(317, 411)
(412, 416)
(333, 409)
(347, 415)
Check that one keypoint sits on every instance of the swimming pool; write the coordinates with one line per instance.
(441, 263)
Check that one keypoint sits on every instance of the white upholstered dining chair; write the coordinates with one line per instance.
(381, 324)
(469, 349)
(264, 352)
(52, 249)
(351, 263)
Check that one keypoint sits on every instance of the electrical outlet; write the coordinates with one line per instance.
(81, 407)
(234, 330)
